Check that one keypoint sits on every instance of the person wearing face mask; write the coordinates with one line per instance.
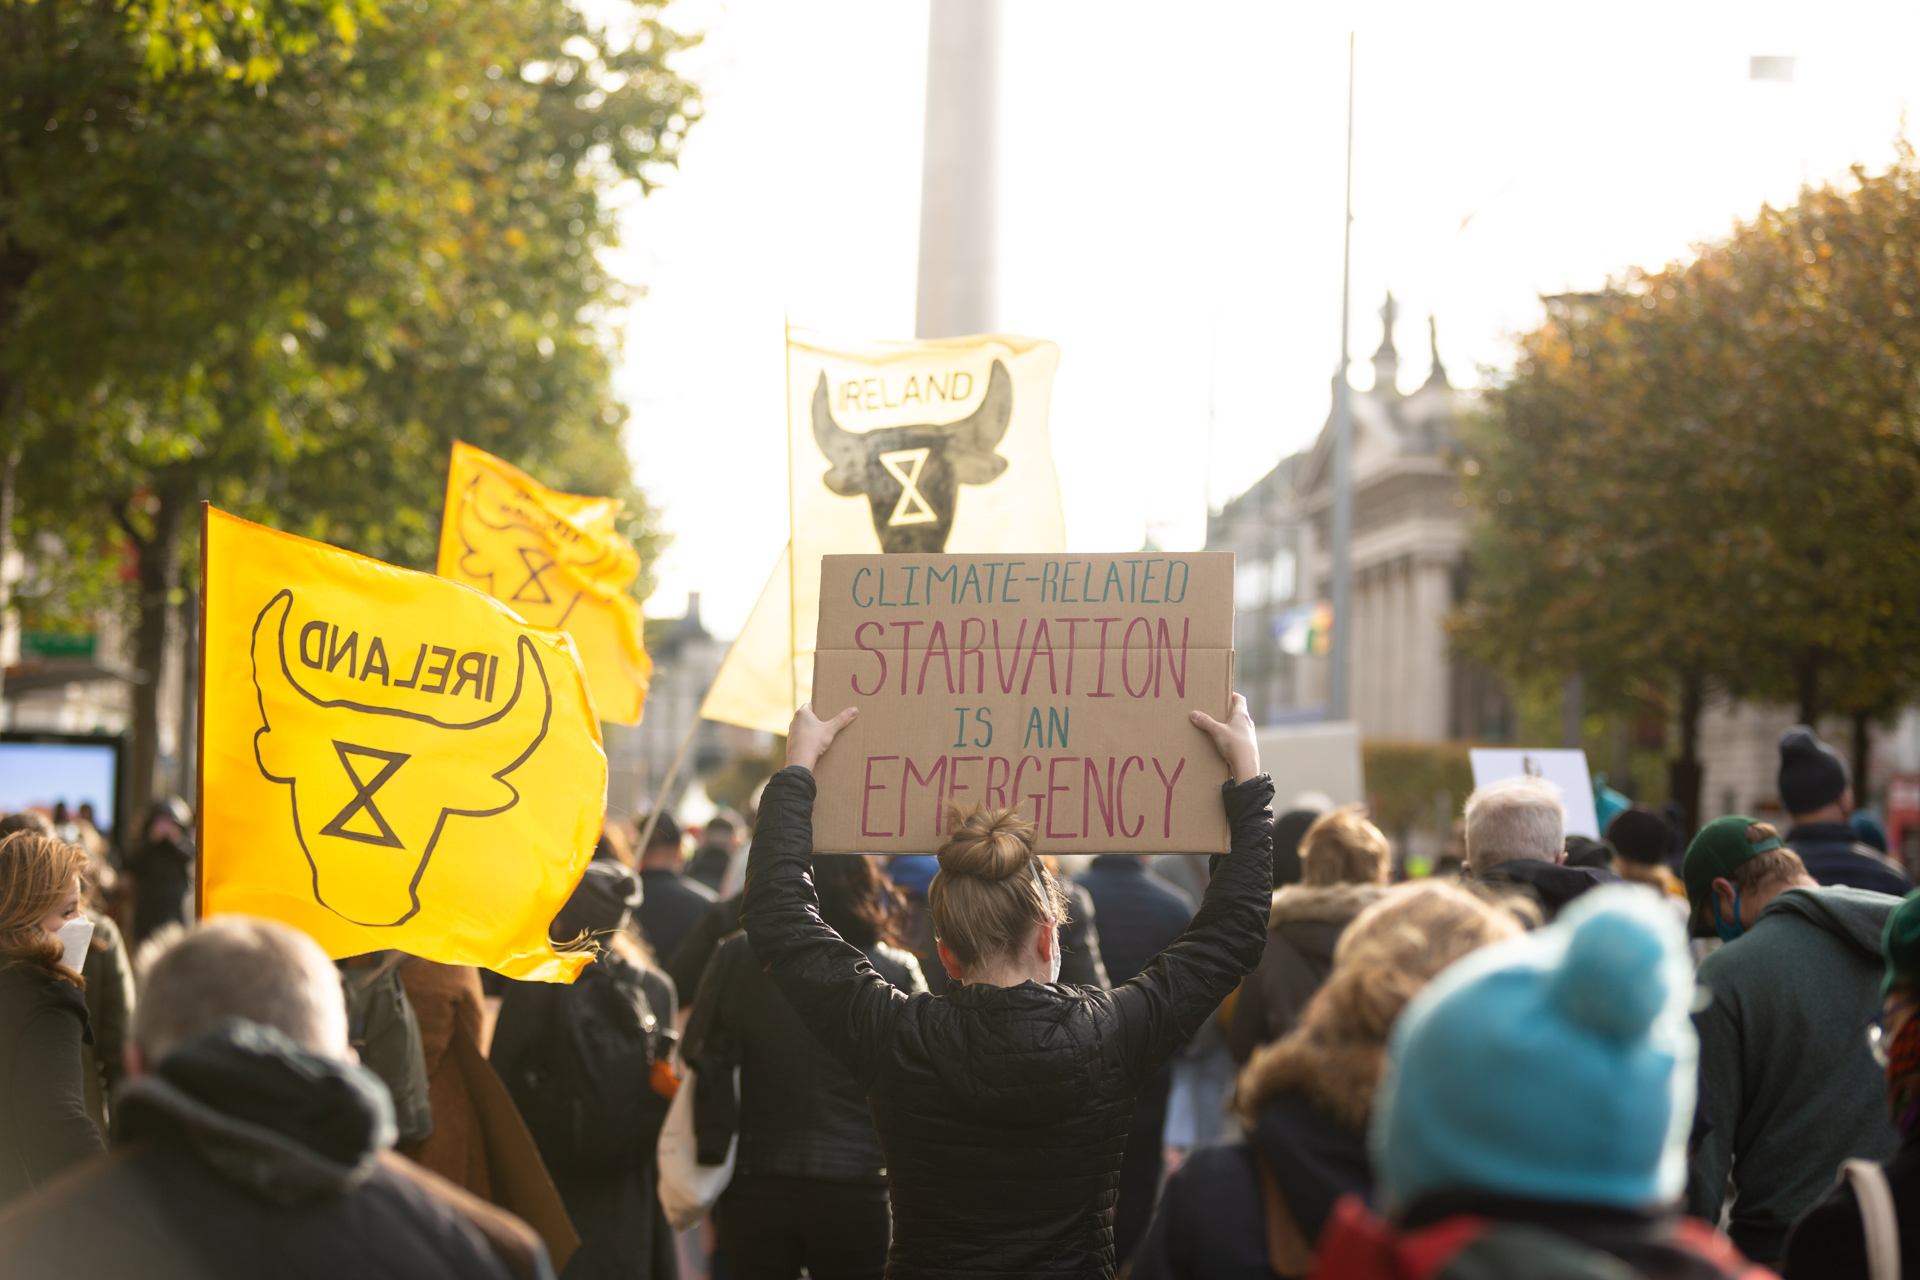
(44, 1127)
(1788, 1086)
(1002, 1105)
(108, 970)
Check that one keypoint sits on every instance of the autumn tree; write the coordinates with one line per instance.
(1703, 478)
(289, 293)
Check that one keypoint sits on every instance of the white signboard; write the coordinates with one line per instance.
(1321, 757)
(1565, 769)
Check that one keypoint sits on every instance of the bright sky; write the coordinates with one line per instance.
(1170, 215)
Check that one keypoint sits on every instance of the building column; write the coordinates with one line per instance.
(1432, 587)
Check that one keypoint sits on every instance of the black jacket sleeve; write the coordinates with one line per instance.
(826, 978)
(1161, 1008)
(50, 1100)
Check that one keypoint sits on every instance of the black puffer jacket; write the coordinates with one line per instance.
(798, 1113)
(1302, 931)
(1551, 884)
(1003, 1111)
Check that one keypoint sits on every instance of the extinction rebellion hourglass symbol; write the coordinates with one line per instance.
(363, 789)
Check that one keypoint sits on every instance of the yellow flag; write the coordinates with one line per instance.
(389, 759)
(558, 561)
(899, 447)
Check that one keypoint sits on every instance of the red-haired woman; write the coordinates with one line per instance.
(43, 1017)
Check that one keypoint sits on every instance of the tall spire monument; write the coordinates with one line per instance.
(959, 194)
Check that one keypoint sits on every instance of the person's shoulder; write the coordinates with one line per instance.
(900, 967)
(508, 1240)
(660, 887)
(658, 985)
(27, 990)
(693, 890)
(105, 929)
(1734, 966)
(1218, 1167)
(1845, 908)
(1211, 1218)
(1862, 868)
(1504, 1248)
(466, 1235)
(1169, 899)
(1100, 875)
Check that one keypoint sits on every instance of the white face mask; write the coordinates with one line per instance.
(1056, 957)
(74, 936)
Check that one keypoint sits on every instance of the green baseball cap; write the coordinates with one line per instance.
(1717, 849)
(1900, 940)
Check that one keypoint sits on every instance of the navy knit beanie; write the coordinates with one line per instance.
(1640, 835)
(1812, 774)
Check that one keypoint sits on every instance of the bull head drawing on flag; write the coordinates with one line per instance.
(525, 557)
(397, 738)
(911, 475)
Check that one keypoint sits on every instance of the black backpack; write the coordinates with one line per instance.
(584, 1087)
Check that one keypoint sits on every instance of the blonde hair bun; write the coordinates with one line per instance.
(991, 890)
(990, 844)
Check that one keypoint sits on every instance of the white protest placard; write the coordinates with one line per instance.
(1566, 769)
(1323, 756)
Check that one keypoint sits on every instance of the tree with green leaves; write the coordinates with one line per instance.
(288, 289)
(1702, 478)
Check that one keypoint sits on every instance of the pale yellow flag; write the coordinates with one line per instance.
(899, 447)
(558, 561)
(390, 759)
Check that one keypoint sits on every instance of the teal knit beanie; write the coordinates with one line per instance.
(1557, 1066)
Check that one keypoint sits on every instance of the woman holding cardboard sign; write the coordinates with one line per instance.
(1002, 1106)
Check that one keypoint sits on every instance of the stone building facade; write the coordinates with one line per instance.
(1409, 567)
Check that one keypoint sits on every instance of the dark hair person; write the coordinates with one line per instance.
(809, 1184)
(1003, 1105)
(43, 1017)
(585, 1064)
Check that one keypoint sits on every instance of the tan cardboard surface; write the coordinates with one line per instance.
(1058, 683)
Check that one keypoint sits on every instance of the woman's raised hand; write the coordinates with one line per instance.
(1234, 740)
(808, 737)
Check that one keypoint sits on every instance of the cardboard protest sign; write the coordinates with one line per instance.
(923, 447)
(1060, 684)
(389, 759)
(558, 561)
(1565, 768)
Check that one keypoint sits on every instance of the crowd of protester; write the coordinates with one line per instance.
(1642, 1056)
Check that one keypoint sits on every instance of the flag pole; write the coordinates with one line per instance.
(1340, 648)
(200, 742)
(793, 572)
(666, 785)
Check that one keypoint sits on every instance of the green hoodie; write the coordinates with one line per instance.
(1787, 1082)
